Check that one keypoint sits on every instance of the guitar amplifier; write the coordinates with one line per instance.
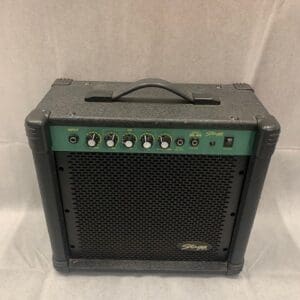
(150, 175)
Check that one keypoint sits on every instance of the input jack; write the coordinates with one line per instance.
(180, 142)
(73, 139)
(194, 141)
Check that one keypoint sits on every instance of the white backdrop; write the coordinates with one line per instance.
(254, 41)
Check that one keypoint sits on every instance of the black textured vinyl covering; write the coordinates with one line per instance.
(150, 106)
(144, 206)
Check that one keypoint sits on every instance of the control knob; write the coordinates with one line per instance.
(129, 140)
(147, 141)
(164, 141)
(92, 139)
(111, 140)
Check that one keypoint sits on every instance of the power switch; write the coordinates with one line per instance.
(228, 141)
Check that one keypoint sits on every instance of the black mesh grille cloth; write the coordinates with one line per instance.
(143, 206)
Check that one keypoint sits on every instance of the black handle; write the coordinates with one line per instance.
(153, 82)
(100, 95)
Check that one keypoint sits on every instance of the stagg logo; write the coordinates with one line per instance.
(194, 246)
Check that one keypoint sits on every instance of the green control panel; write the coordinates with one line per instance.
(152, 140)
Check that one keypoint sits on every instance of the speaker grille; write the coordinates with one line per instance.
(142, 206)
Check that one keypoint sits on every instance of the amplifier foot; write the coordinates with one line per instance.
(234, 269)
(61, 266)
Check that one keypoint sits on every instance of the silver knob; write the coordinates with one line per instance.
(111, 140)
(164, 141)
(92, 139)
(129, 140)
(147, 141)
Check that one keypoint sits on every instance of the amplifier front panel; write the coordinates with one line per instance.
(150, 206)
(152, 140)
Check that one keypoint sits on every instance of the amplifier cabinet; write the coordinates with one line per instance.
(150, 175)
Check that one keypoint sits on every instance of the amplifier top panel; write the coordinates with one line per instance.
(153, 103)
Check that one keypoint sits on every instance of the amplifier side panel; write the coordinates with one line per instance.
(266, 139)
(36, 125)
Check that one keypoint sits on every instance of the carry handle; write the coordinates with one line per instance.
(102, 95)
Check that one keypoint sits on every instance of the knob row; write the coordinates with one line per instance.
(129, 140)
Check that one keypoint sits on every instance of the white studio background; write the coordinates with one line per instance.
(253, 41)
